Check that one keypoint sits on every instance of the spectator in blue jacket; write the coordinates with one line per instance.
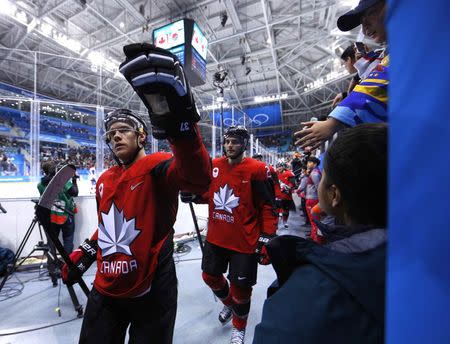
(335, 293)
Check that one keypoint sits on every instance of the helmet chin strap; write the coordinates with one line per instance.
(116, 159)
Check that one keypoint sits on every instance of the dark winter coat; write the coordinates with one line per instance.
(324, 294)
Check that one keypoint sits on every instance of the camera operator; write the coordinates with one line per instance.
(61, 217)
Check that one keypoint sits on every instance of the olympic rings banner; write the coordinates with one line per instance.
(260, 116)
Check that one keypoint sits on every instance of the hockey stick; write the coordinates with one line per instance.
(43, 215)
(197, 229)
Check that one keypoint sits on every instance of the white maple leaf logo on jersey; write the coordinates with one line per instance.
(225, 200)
(116, 234)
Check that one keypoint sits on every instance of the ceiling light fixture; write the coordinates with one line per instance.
(272, 98)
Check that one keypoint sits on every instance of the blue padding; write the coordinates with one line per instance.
(151, 78)
(138, 61)
(418, 293)
(144, 79)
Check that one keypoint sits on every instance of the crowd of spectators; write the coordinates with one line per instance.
(64, 129)
(57, 127)
(8, 149)
(7, 166)
(352, 190)
(83, 158)
(281, 142)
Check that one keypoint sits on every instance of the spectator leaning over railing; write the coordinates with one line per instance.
(349, 58)
(367, 103)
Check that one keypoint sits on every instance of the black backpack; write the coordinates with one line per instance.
(6, 257)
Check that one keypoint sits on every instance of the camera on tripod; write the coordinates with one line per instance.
(53, 262)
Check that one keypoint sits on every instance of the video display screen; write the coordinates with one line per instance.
(179, 51)
(199, 42)
(169, 36)
(198, 65)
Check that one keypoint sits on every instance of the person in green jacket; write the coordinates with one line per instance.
(61, 216)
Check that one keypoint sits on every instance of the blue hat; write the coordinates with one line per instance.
(352, 18)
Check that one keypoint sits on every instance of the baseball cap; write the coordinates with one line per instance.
(352, 18)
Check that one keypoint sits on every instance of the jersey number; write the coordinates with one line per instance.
(184, 126)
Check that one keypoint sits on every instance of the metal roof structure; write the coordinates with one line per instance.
(268, 47)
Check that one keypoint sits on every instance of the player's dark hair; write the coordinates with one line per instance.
(349, 52)
(314, 160)
(49, 168)
(356, 163)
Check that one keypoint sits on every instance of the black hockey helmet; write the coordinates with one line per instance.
(281, 163)
(239, 132)
(127, 116)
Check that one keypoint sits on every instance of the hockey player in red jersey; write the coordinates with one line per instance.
(287, 184)
(242, 219)
(135, 284)
(273, 176)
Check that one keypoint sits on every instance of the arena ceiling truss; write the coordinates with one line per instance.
(284, 49)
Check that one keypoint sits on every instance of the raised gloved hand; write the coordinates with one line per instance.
(158, 78)
(261, 250)
(82, 258)
(187, 197)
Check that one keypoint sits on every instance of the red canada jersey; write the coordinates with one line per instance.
(287, 184)
(137, 209)
(241, 204)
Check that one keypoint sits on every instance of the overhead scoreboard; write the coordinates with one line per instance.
(185, 39)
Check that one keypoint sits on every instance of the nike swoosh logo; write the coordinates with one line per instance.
(241, 278)
(135, 186)
(245, 181)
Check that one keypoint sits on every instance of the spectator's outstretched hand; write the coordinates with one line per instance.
(315, 133)
(337, 100)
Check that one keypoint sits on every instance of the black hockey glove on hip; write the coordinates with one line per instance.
(261, 250)
(187, 197)
(158, 78)
(82, 258)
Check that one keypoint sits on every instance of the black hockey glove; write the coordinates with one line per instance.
(82, 258)
(286, 189)
(158, 78)
(187, 197)
(261, 248)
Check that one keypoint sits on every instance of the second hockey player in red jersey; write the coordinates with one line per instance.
(273, 175)
(287, 184)
(242, 219)
(135, 285)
